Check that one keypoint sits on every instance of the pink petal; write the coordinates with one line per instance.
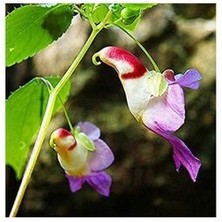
(166, 114)
(91, 130)
(101, 182)
(102, 157)
(167, 110)
(75, 183)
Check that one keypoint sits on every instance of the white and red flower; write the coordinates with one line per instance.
(156, 100)
(84, 157)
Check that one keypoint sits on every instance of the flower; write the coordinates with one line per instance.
(84, 157)
(156, 100)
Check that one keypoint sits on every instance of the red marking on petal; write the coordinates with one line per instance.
(72, 146)
(117, 53)
(133, 75)
(63, 133)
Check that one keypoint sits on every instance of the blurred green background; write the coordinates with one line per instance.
(145, 183)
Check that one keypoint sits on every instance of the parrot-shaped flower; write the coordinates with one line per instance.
(83, 156)
(156, 100)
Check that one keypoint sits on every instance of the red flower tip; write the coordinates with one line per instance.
(125, 63)
(63, 133)
(61, 140)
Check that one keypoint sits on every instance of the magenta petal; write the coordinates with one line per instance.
(91, 130)
(102, 157)
(182, 154)
(75, 183)
(189, 79)
(101, 182)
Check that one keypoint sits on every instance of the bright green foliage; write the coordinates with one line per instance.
(24, 112)
(139, 6)
(31, 28)
(156, 83)
(99, 13)
(130, 15)
(127, 16)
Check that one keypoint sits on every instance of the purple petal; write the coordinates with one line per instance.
(165, 115)
(190, 79)
(102, 157)
(101, 182)
(182, 154)
(91, 130)
(167, 110)
(75, 183)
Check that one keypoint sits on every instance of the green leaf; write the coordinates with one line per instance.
(24, 112)
(129, 24)
(156, 83)
(31, 28)
(84, 140)
(139, 6)
(99, 13)
(126, 16)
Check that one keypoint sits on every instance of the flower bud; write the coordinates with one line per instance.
(129, 15)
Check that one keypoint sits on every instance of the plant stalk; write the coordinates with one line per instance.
(48, 115)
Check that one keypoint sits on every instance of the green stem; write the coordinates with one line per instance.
(155, 66)
(50, 88)
(66, 115)
(34, 155)
(48, 115)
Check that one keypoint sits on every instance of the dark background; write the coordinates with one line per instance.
(145, 183)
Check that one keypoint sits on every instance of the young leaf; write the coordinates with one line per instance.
(31, 28)
(139, 6)
(24, 111)
(99, 13)
(129, 24)
(126, 16)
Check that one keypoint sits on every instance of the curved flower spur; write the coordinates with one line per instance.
(156, 100)
(84, 157)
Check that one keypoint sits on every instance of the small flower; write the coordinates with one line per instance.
(84, 157)
(156, 100)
